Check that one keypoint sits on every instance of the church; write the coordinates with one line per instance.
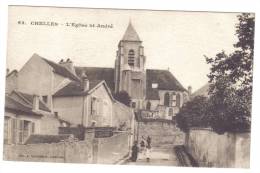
(154, 93)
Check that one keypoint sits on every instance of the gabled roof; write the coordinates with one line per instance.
(14, 105)
(75, 89)
(98, 73)
(130, 34)
(14, 72)
(59, 69)
(165, 81)
(27, 99)
(36, 139)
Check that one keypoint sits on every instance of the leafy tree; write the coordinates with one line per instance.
(123, 97)
(193, 114)
(231, 81)
(228, 108)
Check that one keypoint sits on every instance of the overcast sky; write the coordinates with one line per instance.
(174, 40)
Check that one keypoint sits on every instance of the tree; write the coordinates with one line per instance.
(193, 114)
(231, 81)
(228, 108)
(237, 66)
(123, 97)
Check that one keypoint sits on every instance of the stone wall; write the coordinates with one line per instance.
(123, 116)
(92, 150)
(163, 133)
(67, 152)
(111, 150)
(213, 150)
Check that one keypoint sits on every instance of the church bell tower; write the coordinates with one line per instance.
(130, 75)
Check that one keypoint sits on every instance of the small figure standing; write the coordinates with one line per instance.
(142, 144)
(134, 153)
(147, 153)
(149, 140)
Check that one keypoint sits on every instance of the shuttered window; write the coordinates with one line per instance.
(21, 130)
(131, 57)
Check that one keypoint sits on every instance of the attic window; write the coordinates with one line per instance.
(154, 85)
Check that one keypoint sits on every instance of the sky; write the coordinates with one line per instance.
(174, 40)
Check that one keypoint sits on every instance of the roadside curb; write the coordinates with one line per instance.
(123, 160)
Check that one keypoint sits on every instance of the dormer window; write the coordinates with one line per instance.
(154, 85)
(131, 57)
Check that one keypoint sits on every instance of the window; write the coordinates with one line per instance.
(93, 107)
(173, 99)
(21, 130)
(178, 100)
(167, 99)
(154, 85)
(148, 106)
(6, 131)
(170, 112)
(131, 57)
(45, 99)
(133, 105)
(56, 114)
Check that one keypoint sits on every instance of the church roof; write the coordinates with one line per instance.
(164, 78)
(165, 81)
(130, 34)
(203, 91)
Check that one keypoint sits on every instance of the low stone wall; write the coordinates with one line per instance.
(111, 150)
(162, 133)
(68, 152)
(35, 152)
(213, 150)
(107, 150)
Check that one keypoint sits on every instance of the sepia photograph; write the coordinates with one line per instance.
(128, 87)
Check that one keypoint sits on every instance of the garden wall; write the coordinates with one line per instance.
(214, 150)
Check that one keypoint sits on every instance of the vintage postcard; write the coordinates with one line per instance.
(129, 87)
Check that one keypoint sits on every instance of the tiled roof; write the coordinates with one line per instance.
(14, 105)
(165, 81)
(29, 99)
(164, 78)
(74, 89)
(130, 34)
(36, 139)
(203, 91)
(59, 69)
(98, 73)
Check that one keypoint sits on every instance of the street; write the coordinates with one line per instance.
(163, 156)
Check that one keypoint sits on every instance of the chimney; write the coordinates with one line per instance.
(85, 82)
(35, 103)
(189, 90)
(68, 64)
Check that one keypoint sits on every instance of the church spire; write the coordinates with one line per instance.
(130, 33)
